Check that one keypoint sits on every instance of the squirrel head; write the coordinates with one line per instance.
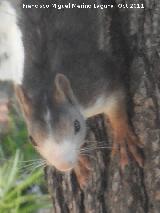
(55, 124)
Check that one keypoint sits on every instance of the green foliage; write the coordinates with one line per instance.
(13, 196)
(17, 138)
(18, 175)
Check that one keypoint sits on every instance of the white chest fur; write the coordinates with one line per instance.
(11, 46)
(96, 108)
(103, 104)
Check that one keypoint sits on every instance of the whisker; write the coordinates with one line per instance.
(94, 144)
(36, 167)
(38, 159)
(33, 167)
(95, 141)
(29, 164)
(84, 154)
(98, 145)
(95, 148)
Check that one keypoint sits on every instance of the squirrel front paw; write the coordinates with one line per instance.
(126, 143)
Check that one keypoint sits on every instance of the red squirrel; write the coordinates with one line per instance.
(62, 77)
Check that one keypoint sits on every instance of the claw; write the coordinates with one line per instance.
(135, 153)
(133, 145)
(132, 137)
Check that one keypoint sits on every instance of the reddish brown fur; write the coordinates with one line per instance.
(124, 139)
(82, 171)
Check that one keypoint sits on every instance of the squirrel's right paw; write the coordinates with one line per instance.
(128, 144)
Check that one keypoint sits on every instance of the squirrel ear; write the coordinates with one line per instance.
(24, 101)
(63, 90)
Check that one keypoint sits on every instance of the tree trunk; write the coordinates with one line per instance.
(131, 35)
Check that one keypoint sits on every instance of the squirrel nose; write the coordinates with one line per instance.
(65, 161)
(65, 166)
(64, 157)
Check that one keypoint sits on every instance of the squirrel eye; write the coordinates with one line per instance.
(77, 126)
(32, 141)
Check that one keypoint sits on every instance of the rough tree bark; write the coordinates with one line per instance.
(133, 35)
